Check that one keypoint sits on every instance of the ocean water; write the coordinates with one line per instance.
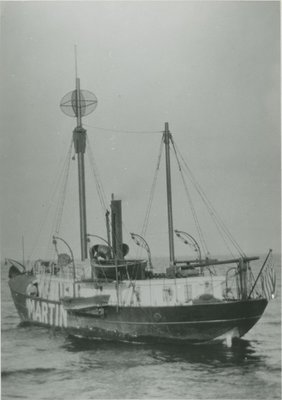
(40, 363)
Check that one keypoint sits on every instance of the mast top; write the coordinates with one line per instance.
(75, 60)
(78, 103)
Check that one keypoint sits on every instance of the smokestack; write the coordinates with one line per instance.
(117, 228)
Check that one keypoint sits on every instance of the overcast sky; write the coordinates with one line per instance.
(210, 69)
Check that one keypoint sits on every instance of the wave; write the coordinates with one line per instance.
(275, 323)
(27, 371)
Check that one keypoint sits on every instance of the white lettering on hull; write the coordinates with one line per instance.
(47, 313)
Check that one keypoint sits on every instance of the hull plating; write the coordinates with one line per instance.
(189, 323)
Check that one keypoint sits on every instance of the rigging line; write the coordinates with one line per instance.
(61, 199)
(194, 185)
(60, 206)
(220, 226)
(64, 190)
(221, 233)
(211, 209)
(99, 186)
(152, 191)
(194, 213)
(121, 130)
(151, 195)
(200, 232)
(49, 203)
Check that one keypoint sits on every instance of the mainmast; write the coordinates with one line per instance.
(167, 138)
(79, 103)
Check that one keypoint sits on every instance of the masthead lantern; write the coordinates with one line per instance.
(74, 103)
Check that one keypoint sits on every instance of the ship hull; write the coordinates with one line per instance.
(186, 323)
(194, 324)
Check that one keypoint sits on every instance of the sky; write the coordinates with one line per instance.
(209, 69)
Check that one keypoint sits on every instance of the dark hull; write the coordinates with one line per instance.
(192, 323)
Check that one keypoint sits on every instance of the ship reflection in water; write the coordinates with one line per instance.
(178, 371)
(241, 353)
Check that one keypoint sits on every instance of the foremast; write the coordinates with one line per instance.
(79, 103)
(79, 141)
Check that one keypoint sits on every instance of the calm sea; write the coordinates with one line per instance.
(38, 363)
